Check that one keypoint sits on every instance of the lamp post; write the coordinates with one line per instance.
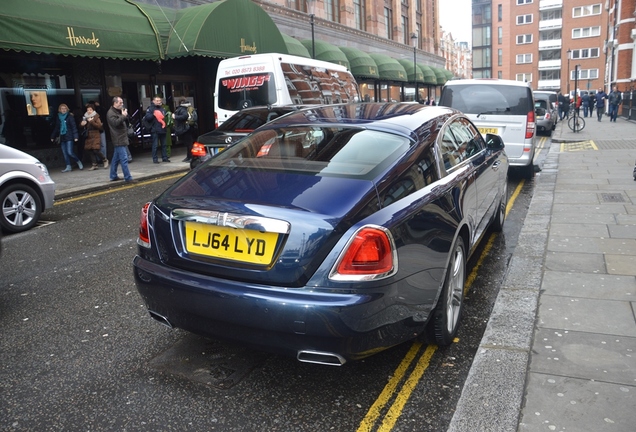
(568, 77)
(414, 40)
(311, 4)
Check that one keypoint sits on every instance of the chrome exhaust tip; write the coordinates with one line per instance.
(319, 357)
(162, 319)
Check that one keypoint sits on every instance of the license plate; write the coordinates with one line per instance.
(485, 131)
(233, 244)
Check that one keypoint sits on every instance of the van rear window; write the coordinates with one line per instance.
(241, 91)
(488, 99)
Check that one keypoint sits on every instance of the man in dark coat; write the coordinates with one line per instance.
(117, 122)
(156, 117)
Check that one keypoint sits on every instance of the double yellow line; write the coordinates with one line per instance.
(388, 394)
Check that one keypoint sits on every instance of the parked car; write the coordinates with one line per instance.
(26, 190)
(502, 107)
(233, 130)
(546, 113)
(328, 234)
(551, 95)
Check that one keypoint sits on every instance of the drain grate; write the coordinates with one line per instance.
(612, 197)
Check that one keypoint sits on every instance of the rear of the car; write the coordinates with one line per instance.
(545, 114)
(501, 107)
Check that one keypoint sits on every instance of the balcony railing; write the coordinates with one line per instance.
(550, 44)
(549, 84)
(550, 24)
(550, 4)
(549, 64)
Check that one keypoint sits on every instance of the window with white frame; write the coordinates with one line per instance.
(524, 77)
(524, 39)
(584, 32)
(524, 19)
(585, 53)
(522, 2)
(585, 74)
(583, 11)
(524, 58)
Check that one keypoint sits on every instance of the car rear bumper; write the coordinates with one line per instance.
(282, 320)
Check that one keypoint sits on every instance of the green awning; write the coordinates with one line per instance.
(429, 76)
(102, 29)
(449, 74)
(389, 69)
(418, 76)
(327, 52)
(441, 76)
(362, 65)
(294, 47)
(224, 29)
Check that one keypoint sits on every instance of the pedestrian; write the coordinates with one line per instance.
(431, 101)
(614, 99)
(586, 104)
(92, 122)
(592, 103)
(577, 104)
(155, 119)
(66, 130)
(600, 103)
(185, 119)
(563, 105)
(117, 122)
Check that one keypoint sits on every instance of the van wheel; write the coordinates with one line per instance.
(527, 172)
(20, 208)
(444, 322)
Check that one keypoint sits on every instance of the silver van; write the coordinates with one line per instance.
(502, 107)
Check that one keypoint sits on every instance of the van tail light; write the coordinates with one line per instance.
(144, 233)
(530, 125)
(198, 150)
(216, 120)
(369, 255)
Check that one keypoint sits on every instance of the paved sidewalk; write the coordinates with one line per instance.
(559, 352)
(82, 181)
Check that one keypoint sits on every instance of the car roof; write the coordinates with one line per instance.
(395, 117)
(487, 81)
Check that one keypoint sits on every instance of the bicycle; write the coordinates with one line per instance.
(576, 123)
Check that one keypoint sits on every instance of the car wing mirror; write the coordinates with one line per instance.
(494, 142)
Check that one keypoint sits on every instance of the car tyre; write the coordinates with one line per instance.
(500, 215)
(443, 325)
(21, 208)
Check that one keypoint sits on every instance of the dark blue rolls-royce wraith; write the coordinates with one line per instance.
(328, 234)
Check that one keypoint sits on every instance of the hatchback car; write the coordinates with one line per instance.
(26, 190)
(502, 107)
(328, 234)
(546, 113)
(233, 130)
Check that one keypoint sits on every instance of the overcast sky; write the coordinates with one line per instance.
(454, 16)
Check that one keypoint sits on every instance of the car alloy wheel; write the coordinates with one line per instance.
(445, 320)
(21, 208)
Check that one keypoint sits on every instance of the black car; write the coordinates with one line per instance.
(233, 130)
(328, 234)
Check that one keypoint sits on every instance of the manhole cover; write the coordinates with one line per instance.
(612, 197)
(209, 362)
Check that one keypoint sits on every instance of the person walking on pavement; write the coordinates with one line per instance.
(155, 118)
(184, 126)
(117, 116)
(66, 130)
(592, 103)
(94, 127)
(564, 105)
(585, 100)
(600, 103)
(614, 99)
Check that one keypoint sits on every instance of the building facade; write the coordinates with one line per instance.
(560, 45)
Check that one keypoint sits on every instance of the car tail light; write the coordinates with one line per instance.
(144, 234)
(547, 116)
(198, 149)
(369, 255)
(530, 125)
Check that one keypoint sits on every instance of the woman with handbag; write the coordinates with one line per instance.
(66, 132)
(93, 126)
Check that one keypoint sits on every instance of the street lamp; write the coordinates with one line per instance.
(568, 78)
(311, 4)
(414, 40)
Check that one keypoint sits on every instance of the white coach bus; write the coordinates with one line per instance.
(279, 79)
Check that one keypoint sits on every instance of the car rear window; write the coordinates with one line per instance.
(488, 99)
(350, 152)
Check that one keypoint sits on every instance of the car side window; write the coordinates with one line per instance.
(476, 142)
(421, 174)
(449, 147)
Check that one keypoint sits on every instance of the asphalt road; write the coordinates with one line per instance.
(79, 351)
